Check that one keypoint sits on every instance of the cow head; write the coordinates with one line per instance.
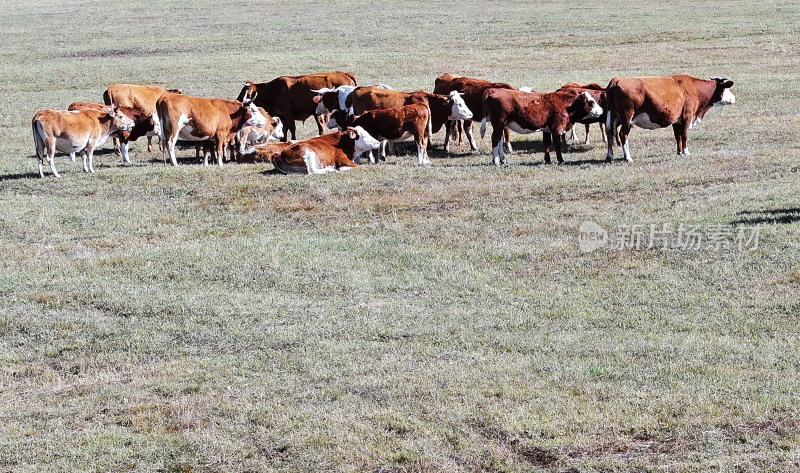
(585, 107)
(120, 121)
(253, 114)
(277, 129)
(722, 94)
(340, 119)
(459, 109)
(363, 140)
(248, 91)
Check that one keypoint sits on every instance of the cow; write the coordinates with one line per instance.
(319, 155)
(442, 107)
(292, 98)
(660, 101)
(143, 124)
(329, 99)
(599, 93)
(142, 98)
(249, 136)
(392, 124)
(522, 112)
(199, 119)
(263, 153)
(472, 92)
(74, 131)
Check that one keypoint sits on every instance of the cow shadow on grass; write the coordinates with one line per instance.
(768, 217)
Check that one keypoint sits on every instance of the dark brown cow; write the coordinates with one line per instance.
(472, 91)
(660, 101)
(392, 124)
(143, 124)
(200, 119)
(523, 112)
(140, 97)
(74, 131)
(292, 97)
(599, 93)
(320, 155)
(442, 107)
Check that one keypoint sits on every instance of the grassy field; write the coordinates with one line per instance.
(397, 318)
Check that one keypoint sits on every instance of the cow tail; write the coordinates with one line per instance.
(38, 142)
(429, 128)
(106, 98)
(353, 78)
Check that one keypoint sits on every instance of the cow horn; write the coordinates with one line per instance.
(721, 78)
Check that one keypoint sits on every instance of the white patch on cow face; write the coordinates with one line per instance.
(596, 111)
(459, 111)
(727, 98)
(124, 122)
(277, 132)
(344, 91)
(257, 119)
(643, 121)
(365, 141)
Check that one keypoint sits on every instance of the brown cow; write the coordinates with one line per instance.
(319, 155)
(442, 107)
(292, 97)
(143, 124)
(391, 124)
(660, 101)
(472, 92)
(140, 97)
(523, 112)
(599, 93)
(256, 135)
(74, 131)
(199, 119)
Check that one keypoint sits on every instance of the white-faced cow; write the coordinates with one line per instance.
(471, 91)
(250, 136)
(292, 97)
(552, 113)
(599, 93)
(337, 98)
(442, 107)
(391, 124)
(142, 98)
(73, 132)
(319, 155)
(143, 124)
(660, 101)
(199, 119)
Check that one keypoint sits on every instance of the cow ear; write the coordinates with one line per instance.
(728, 84)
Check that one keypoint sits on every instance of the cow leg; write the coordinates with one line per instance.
(470, 138)
(611, 127)
(547, 138)
(498, 153)
(420, 150)
(123, 146)
(507, 140)
(586, 141)
(558, 143)
(624, 132)
(448, 130)
(117, 146)
(603, 131)
(171, 150)
(52, 163)
(681, 131)
(72, 157)
(572, 135)
(220, 150)
(90, 154)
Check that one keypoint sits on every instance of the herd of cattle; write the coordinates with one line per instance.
(370, 116)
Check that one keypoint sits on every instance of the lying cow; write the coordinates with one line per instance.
(292, 98)
(250, 136)
(143, 125)
(552, 113)
(658, 102)
(74, 131)
(320, 155)
(199, 119)
(391, 124)
(264, 153)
